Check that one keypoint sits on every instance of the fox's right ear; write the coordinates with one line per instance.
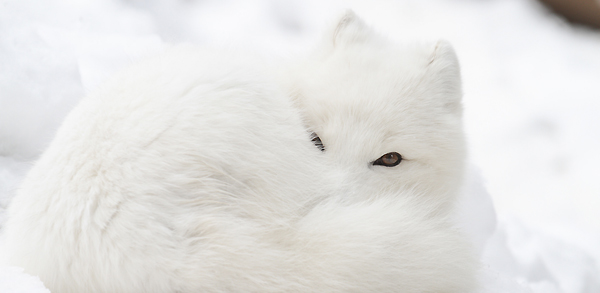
(350, 29)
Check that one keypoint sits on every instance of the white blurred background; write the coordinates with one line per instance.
(531, 84)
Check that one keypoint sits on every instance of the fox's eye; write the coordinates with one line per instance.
(317, 141)
(389, 160)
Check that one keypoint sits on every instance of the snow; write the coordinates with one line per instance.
(532, 95)
(13, 280)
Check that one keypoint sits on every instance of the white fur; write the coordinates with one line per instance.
(193, 172)
(365, 97)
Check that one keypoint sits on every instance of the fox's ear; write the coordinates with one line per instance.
(444, 74)
(350, 29)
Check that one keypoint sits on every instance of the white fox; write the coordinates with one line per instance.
(194, 172)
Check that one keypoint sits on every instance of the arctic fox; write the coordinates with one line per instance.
(195, 172)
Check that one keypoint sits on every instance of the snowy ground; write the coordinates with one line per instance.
(532, 98)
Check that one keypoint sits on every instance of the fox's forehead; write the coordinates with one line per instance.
(375, 78)
(380, 100)
(384, 63)
(381, 122)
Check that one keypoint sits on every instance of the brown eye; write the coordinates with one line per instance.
(317, 141)
(389, 160)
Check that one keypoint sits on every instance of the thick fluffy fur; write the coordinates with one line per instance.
(365, 97)
(194, 172)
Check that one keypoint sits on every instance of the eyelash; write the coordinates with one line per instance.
(317, 141)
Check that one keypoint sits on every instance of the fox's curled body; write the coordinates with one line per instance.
(194, 172)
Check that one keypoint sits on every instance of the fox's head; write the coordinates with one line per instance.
(388, 116)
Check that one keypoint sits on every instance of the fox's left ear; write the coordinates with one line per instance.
(443, 70)
(350, 29)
